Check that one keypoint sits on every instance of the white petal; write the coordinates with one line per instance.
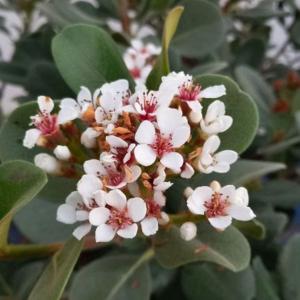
(241, 196)
(181, 135)
(66, 214)
(84, 96)
(188, 171)
(221, 167)
(82, 215)
(196, 201)
(242, 213)
(195, 106)
(149, 226)
(93, 166)
(100, 197)
(89, 138)
(31, 138)
(128, 232)
(136, 209)
(88, 185)
(82, 231)
(228, 191)
(69, 110)
(214, 110)
(213, 92)
(99, 215)
(62, 152)
(159, 198)
(116, 199)
(74, 199)
(173, 161)
(211, 144)
(104, 233)
(169, 119)
(46, 104)
(144, 155)
(145, 133)
(221, 222)
(188, 231)
(47, 163)
(136, 172)
(116, 142)
(228, 156)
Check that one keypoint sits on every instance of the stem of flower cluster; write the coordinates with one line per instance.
(179, 219)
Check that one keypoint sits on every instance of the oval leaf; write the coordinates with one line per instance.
(87, 56)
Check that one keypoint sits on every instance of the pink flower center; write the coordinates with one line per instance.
(135, 72)
(217, 206)
(153, 209)
(115, 178)
(162, 145)
(149, 105)
(189, 92)
(46, 123)
(119, 219)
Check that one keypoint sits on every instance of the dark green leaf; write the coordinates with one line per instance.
(113, 278)
(210, 282)
(209, 68)
(57, 273)
(87, 56)
(229, 248)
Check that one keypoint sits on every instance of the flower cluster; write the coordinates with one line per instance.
(140, 58)
(131, 144)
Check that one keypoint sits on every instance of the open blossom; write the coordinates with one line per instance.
(111, 175)
(82, 107)
(181, 86)
(118, 217)
(112, 98)
(172, 132)
(145, 103)
(220, 204)
(73, 211)
(219, 162)
(45, 124)
(215, 120)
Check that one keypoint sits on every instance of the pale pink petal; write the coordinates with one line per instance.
(136, 209)
(116, 142)
(74, 199)
(82, 215)
(100, 197)
(213, 92)
(136, 172)
(242, 213)
(169, 119)
(31, 138)
(188, 171)
(99, 215)
(172, 160)
(87, 185)
(195, 106)
(104, 233)
(93, 166)
(228, 156)
(211, 144)
(241, 197)
(221, 222)
(66, 214)
(144, 155)
(45, 104)
(82, 231)
(84, 96)
(228, 191)
(116, 199)
(149, 226)
(128, 232)
(181, 135)
(145, 133)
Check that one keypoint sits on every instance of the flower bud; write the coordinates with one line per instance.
(47, 163)
(89, 138)
(195, 117)
(62, 153)
(215, 185)
(188, 231)
(188, 192)
(164, 218)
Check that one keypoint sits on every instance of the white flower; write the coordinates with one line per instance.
(145, 103)
(113, 96)
(121, 151)
(181, 85)
(71, 109)
(62, 152)
(120, 217)
(159, 183)
(172, 132)
(112, 176)
(89, 187)
(154, 215)
(209, 161)
(215, 120)
(188, 231)
(220, 204)
(47, 163)
(45, 123)
(74, 210)
(89, 138)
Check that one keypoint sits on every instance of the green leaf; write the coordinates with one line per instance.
(289, 262)
(57, 273)
(162, 67)
(253, 229)
(209, 68)
(240, 107)
(279, 192)
(265, 287)
(229, 248)
(12, 73)
(87, 56)
(113, 278)
(19, 183)
(62, 13)
(201, 29)
(210, 282)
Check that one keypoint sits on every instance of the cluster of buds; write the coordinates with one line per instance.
(140, 58)
(131, 146)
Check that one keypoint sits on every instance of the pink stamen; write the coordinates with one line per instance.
(46, 123)
(189, 92)
(135, 72)
(119, 219)
(153, 209)
(162, 145)
(149, 105)
(217, 206)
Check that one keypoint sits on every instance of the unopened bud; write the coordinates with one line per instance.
(195, 117)
(188, 192)
(62, 153)
(47, 163)
(188, 231)
(164, 218)
(215, 185)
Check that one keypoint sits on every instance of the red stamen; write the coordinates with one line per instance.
(216, 207)
(119, 219)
